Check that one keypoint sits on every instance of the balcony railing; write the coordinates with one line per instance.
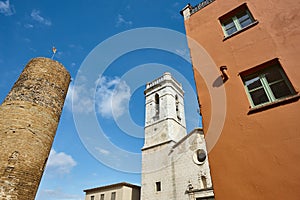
(200, 6)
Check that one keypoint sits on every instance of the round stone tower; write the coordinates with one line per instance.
(29, 118)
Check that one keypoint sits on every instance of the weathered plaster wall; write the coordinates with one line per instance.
(29, 118)
(156, 167)
(188, 172)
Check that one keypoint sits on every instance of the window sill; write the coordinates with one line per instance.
(283, 101)
(239, 31)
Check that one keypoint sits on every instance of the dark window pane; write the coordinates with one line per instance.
(229, 27)
(280, 89)
(113, 196)
(158, 186)
(244, 19)
(228, 24)
(259, 97)
(201, 155)
(253, 83)
(273, 75)
(243, 16)
(246, 23)
(102, 197)
(231, 31)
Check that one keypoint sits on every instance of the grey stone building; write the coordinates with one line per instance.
(174, 163)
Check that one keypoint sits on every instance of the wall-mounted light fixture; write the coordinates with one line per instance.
(224, 75)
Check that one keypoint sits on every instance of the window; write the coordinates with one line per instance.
(267, 84)
(201, 155)
(113, 196)
(102, 197)
(204, 181)
(236, 20)
(158, 186)
(156, 105)
(177, 107)
(92, 197)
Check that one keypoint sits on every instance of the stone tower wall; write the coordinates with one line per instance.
(165, 118)
(29, 118)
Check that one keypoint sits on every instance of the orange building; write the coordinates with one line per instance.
(253, 46)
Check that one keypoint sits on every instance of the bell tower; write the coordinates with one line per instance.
(174, 163)
(165, 118)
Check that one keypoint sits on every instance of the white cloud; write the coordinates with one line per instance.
(112, 96)
(35, 14)
(121, 21)
(72, 45)
(59, 54)
(75, 47)
(102, 151)
(176, 4)
(60, 163)
(6, 9)
(32, 49)
(57, 194)
(27, 40)
(28, 26)
(82, 99)
(73, 64)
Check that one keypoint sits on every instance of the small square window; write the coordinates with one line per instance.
(267, 83)
(158, 186)
(236, 20)
(92, 197)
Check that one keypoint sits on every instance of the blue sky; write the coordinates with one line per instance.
(80, 30)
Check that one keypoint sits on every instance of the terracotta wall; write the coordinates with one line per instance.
(257, 155)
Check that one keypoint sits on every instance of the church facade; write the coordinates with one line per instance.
(174, 163)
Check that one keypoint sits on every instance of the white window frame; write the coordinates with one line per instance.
(236, 21)
(266, 85)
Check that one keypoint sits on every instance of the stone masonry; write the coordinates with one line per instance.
(29, 118)
(174, 163)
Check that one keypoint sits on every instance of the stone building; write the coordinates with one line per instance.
(174, 163)
(253, 47)
(118, 191)
(29, 118)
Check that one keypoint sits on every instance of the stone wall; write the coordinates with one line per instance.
(29, 118)
(192, 178)
(177, 169)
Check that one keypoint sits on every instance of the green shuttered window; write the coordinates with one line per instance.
(267, 85)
